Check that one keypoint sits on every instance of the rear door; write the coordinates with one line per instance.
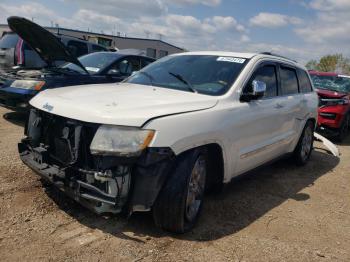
(292, 102)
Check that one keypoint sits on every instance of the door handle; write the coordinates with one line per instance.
(279, 105)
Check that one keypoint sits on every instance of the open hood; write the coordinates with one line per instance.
(330, 93)
(119, 104)
(49, 48)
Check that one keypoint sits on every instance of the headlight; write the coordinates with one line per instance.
(334, 101)
(120, 141)
(28, 84)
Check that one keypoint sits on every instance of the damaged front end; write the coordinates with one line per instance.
(58, 149)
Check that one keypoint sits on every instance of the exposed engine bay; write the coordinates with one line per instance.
(57, 148)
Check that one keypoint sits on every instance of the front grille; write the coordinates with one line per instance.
(65, 139)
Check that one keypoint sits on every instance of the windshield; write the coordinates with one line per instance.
(333, 83)
(206, 74)
(94, 63)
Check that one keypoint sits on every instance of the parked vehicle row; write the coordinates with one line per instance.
(61, 68)
(15, 50)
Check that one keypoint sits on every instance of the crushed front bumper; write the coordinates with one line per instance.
(147, 176)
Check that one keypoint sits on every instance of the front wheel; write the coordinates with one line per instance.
(180, 200)
(304, 147)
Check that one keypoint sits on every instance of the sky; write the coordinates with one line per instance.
(299, 29)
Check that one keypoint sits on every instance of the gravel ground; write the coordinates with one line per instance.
(278, 213)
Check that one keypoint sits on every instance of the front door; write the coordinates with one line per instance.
(260, 127)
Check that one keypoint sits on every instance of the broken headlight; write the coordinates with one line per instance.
(120, 141)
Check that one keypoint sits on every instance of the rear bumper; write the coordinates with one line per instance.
(149, 173)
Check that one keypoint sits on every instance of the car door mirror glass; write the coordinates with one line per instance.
(259, 88)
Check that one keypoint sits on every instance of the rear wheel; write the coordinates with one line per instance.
(344, 129)
(304, 147)
(179, 202)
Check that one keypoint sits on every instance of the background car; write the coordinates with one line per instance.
(19, 86)
(334, 106)
(16, 52)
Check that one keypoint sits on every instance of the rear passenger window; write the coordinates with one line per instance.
(96, 48)
(77, 48)
(267, 74)
(305, 84)
(145, 62)
(289, 81)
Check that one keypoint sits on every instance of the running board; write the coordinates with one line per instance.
(330, 146)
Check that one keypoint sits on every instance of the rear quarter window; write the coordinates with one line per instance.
(305, 84)
(77, 48)
(289, 81)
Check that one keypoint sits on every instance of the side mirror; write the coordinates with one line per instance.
(113, 72)
(258, 89)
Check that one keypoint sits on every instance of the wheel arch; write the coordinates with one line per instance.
(215, 164)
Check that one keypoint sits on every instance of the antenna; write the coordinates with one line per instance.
(160, 36)
(147, 33)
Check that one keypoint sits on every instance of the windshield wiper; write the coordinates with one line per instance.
(150, 77)
(188, 84)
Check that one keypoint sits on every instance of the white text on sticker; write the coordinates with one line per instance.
(231, 59)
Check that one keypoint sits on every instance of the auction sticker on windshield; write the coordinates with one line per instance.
(231, 59)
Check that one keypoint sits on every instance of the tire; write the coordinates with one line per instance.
(344, 129)
(304, 147)
(179, 203)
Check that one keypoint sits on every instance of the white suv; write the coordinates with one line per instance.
(181, 126)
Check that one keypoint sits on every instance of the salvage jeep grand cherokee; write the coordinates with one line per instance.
(181, 126)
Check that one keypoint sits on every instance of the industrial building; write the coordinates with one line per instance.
(153, 47)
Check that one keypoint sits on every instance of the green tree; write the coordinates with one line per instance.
(312, 65)
(330, 63)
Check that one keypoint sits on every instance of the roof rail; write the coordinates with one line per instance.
(273, 54)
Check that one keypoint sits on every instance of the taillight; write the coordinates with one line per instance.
(19, 53)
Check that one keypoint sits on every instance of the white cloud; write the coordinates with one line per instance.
(330, 5)
(273, 20)
(124, 8)
(329, 32)
(195, 2)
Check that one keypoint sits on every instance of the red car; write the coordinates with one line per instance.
(334, 106)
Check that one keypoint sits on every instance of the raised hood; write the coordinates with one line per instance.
(119, 104)
(330, 93)
(49, 48)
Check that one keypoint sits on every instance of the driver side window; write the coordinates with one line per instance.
(266, 74)
(126, 66)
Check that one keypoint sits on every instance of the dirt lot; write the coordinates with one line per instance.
(278, 213)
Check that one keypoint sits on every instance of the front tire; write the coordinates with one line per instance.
(179, 203)
(304, 147)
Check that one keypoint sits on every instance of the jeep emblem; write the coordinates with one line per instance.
(48, 107)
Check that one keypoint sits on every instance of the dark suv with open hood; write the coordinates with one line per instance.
(62, 68)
